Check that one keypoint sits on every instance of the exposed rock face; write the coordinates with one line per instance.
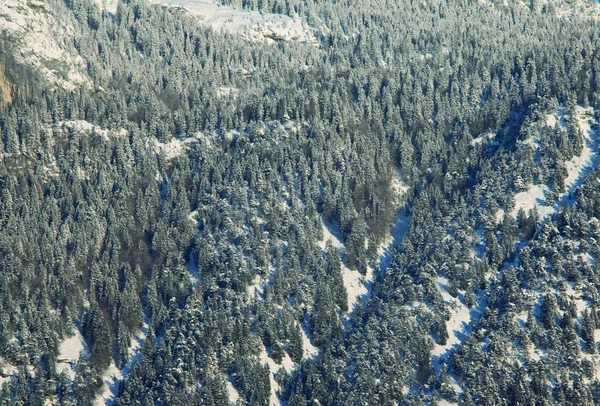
(5, 88)
(40, 42)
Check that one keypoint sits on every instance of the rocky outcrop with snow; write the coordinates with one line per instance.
(249, 24)
(40, 40)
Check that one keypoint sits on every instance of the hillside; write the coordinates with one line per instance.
(299, 202)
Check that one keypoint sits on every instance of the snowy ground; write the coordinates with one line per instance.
(309, 349)
(112, 377)
(354, 282)
(577, 168)
(108, 5)
(87, 128)
(356, 286)
(232, 393)
(69, 352)
(286, 363)
(459, 323)
(6, 371)
(250, 25)
(399, 230)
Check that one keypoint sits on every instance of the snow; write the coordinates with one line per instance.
(108, 5)
(459, 323)
(577, 168)
(399, 230)
(87, 128)
(499, 216)
(171, 149)
(576, 297)
(193, 270)
(355, 284)
(232, 392)
(249, 24)
(286, 363)
(69, 352)
(255, 287)
(227, 91)
(112, 377)
(6, 369)
(568, 9)
(399, 187)
(328, 235)
(309, 349)
(551, 120)
(534, 196)
(483, 139)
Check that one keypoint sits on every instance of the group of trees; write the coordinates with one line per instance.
(103, 226)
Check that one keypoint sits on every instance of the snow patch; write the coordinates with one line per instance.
(112, 377)
(286, 363)
(355, 284)
(232, 392)
(171, 149)
(534, 196)
(87, 128)
(249, 24)
(309, 349)
(255, 287)
(354, 281)
(69, 352)
(328, 235)
(499, 216)
(483, 139)
(109, 5)
(460, 319)
(6, 371)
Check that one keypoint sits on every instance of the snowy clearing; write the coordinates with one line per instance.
(112, 377)
(257, 286)
(69, 352)
(108, 5)
(193, 270)
(249, 24)
(232, 393)
(309, 349)
(460, 319)
(286, 363)
(354, 282)
(328, 235)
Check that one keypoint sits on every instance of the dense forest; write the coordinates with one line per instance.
(405, 212)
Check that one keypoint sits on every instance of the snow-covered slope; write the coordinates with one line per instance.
(251, 25)
(572, 8)
(561, 8)
(577, 168)
(37, 38)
